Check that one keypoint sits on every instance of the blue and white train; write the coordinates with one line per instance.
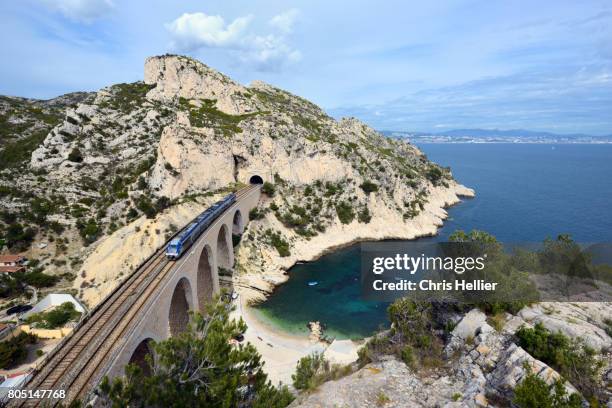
(187, 237)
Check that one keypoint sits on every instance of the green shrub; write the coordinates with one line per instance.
(13, 351)
(345, 212)
(89, 230)
(19, 237)
(268, 189)
(573, 359)
(150, 209)
(57, 317)
(408, 355)
(533, 392)
(39, 279)
(306, 370)
(364, 215)
(199, 368)
(18, 152)
(126, 97)
(207, 115)
(369, 187)
(332, 189)
(434, 174)
(75, 155)
(382, 399)
(256, 214)
(314, 369)
(275, 239)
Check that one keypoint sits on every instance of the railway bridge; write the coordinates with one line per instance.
(153, 303)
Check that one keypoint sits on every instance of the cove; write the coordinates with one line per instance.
(524, 192)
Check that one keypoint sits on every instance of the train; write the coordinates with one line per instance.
(181, 243)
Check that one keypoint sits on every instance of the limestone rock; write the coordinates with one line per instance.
(576, 320)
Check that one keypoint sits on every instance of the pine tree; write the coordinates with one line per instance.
(199, 368)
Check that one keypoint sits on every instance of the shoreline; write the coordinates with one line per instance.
(281, 350)
(251, 301)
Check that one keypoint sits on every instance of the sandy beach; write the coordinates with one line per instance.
(281, 351)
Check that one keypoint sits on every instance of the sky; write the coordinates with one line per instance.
(397, 65)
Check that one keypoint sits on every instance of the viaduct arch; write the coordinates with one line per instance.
(192, 282)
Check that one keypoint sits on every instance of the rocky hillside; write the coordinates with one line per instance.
(482, 367)
(24, 124)
(144, 150)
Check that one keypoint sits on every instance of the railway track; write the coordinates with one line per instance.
(76, 365)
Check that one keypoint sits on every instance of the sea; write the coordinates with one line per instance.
(524, 193)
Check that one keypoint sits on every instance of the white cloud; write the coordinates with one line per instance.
(268, 52)
(84, 11)
(196, 30)
(285, 21)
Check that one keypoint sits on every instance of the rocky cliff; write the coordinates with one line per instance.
(188, 133)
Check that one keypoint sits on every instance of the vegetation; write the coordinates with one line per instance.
(275, 239)
(411, 337)
(89, 230)
(75, 155)
(500, 267)
(18, 152)
(314, 369)
(256, 214)
(573, 359)
(19, 237)
(127, 97)
(14, 351)
(15, 283)
(57, 317)
(382, 399)
(199, 367)
(268, 189)
(207, 115)
(345, 212)
(150, 208)
(435, 175)
(39, 279)
(533, 392)
(19, 138)
(369, 187)
(364, 215)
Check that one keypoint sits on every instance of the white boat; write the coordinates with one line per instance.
(313, 283)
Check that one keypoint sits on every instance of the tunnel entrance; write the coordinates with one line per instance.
(139, 357)
(205, 279)
(255, 179)
(178, 316)
(223, 250)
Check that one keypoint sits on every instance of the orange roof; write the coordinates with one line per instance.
(11, 269)
(11, 258)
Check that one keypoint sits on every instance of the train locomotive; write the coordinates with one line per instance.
(181, 243)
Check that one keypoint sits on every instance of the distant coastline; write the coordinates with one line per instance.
(482, 136)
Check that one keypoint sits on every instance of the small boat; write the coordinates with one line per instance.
(313, 283)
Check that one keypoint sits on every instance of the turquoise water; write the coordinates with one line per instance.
(523, 193)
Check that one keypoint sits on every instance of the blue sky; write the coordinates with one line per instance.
(397, 65)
